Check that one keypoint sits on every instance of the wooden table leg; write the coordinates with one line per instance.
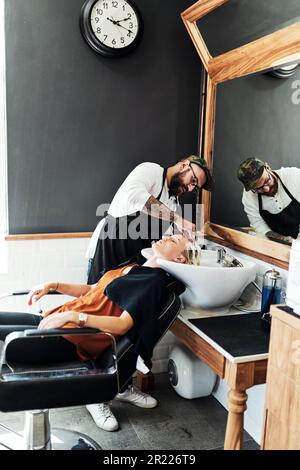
(237, 401)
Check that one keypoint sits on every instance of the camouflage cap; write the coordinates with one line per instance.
(209, 183)
(250, 171)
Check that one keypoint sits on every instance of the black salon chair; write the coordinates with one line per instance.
(26, 387)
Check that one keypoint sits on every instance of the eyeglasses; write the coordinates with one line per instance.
(194, 180)
(266, 183)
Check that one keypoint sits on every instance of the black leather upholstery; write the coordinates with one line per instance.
(58, 386)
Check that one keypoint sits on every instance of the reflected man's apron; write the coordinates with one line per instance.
(285, 222)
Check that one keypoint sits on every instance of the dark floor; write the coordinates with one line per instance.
(176, 423)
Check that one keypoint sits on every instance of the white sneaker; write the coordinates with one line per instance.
(103, 416)
(134, 396)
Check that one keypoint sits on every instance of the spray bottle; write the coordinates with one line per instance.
(271, 294)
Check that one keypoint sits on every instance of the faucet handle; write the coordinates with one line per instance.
(227, 260)
(221, 252)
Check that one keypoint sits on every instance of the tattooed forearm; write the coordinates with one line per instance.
(277, 236)
(157, 209)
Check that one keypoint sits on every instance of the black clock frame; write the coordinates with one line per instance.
(93, 41)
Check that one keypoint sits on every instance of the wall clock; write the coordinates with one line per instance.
(112, 28)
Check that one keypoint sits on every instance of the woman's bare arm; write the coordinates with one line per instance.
(74, 290)
(114, 325)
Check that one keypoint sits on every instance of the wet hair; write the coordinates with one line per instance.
(192, 256)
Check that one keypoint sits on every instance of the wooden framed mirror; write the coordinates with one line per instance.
(243, 47)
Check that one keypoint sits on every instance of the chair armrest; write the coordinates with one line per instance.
(34, 333)
(24, 292)
(61, 332)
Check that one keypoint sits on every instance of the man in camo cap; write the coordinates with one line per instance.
(271, 199)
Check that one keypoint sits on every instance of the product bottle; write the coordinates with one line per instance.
(271, 294)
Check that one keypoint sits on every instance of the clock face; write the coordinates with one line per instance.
(114, 23)
(111, 27)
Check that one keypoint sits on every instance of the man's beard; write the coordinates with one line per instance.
(274, 188)
(177, 185)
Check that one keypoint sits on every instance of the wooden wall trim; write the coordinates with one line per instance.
(47, 236)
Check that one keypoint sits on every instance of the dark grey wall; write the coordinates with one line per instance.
(255, 117)
(78, 123)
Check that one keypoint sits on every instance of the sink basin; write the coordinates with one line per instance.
(209, 286)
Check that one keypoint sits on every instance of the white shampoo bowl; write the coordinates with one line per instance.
(209, 286)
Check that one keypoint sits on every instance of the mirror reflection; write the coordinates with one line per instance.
(256, 156)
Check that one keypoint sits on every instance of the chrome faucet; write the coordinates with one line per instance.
(229, 261)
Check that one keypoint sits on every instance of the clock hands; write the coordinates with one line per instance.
(124, 19)
(117, 23)
(129, 30)
(112, 20)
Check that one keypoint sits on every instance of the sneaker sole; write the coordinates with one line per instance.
(101, 427)
(105, 429)
(136, 404)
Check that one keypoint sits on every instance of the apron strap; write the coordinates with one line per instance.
(259, 203)
(163, 182)
(284, 187)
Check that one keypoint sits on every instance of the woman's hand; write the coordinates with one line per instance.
(39, 291)
(57, 320)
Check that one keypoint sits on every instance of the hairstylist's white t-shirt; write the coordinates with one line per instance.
(144, 181)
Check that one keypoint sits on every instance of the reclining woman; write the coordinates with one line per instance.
(112, 305)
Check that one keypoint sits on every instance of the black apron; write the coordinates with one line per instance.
(285, 222)
(115, 247)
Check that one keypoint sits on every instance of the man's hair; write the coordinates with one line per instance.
(250, 171)
(209, 183)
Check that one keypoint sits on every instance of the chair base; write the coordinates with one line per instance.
(38, 435)
(63, 439)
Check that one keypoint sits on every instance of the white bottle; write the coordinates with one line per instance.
(293, 283)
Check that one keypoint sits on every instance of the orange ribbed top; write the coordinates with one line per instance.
(94, 302)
